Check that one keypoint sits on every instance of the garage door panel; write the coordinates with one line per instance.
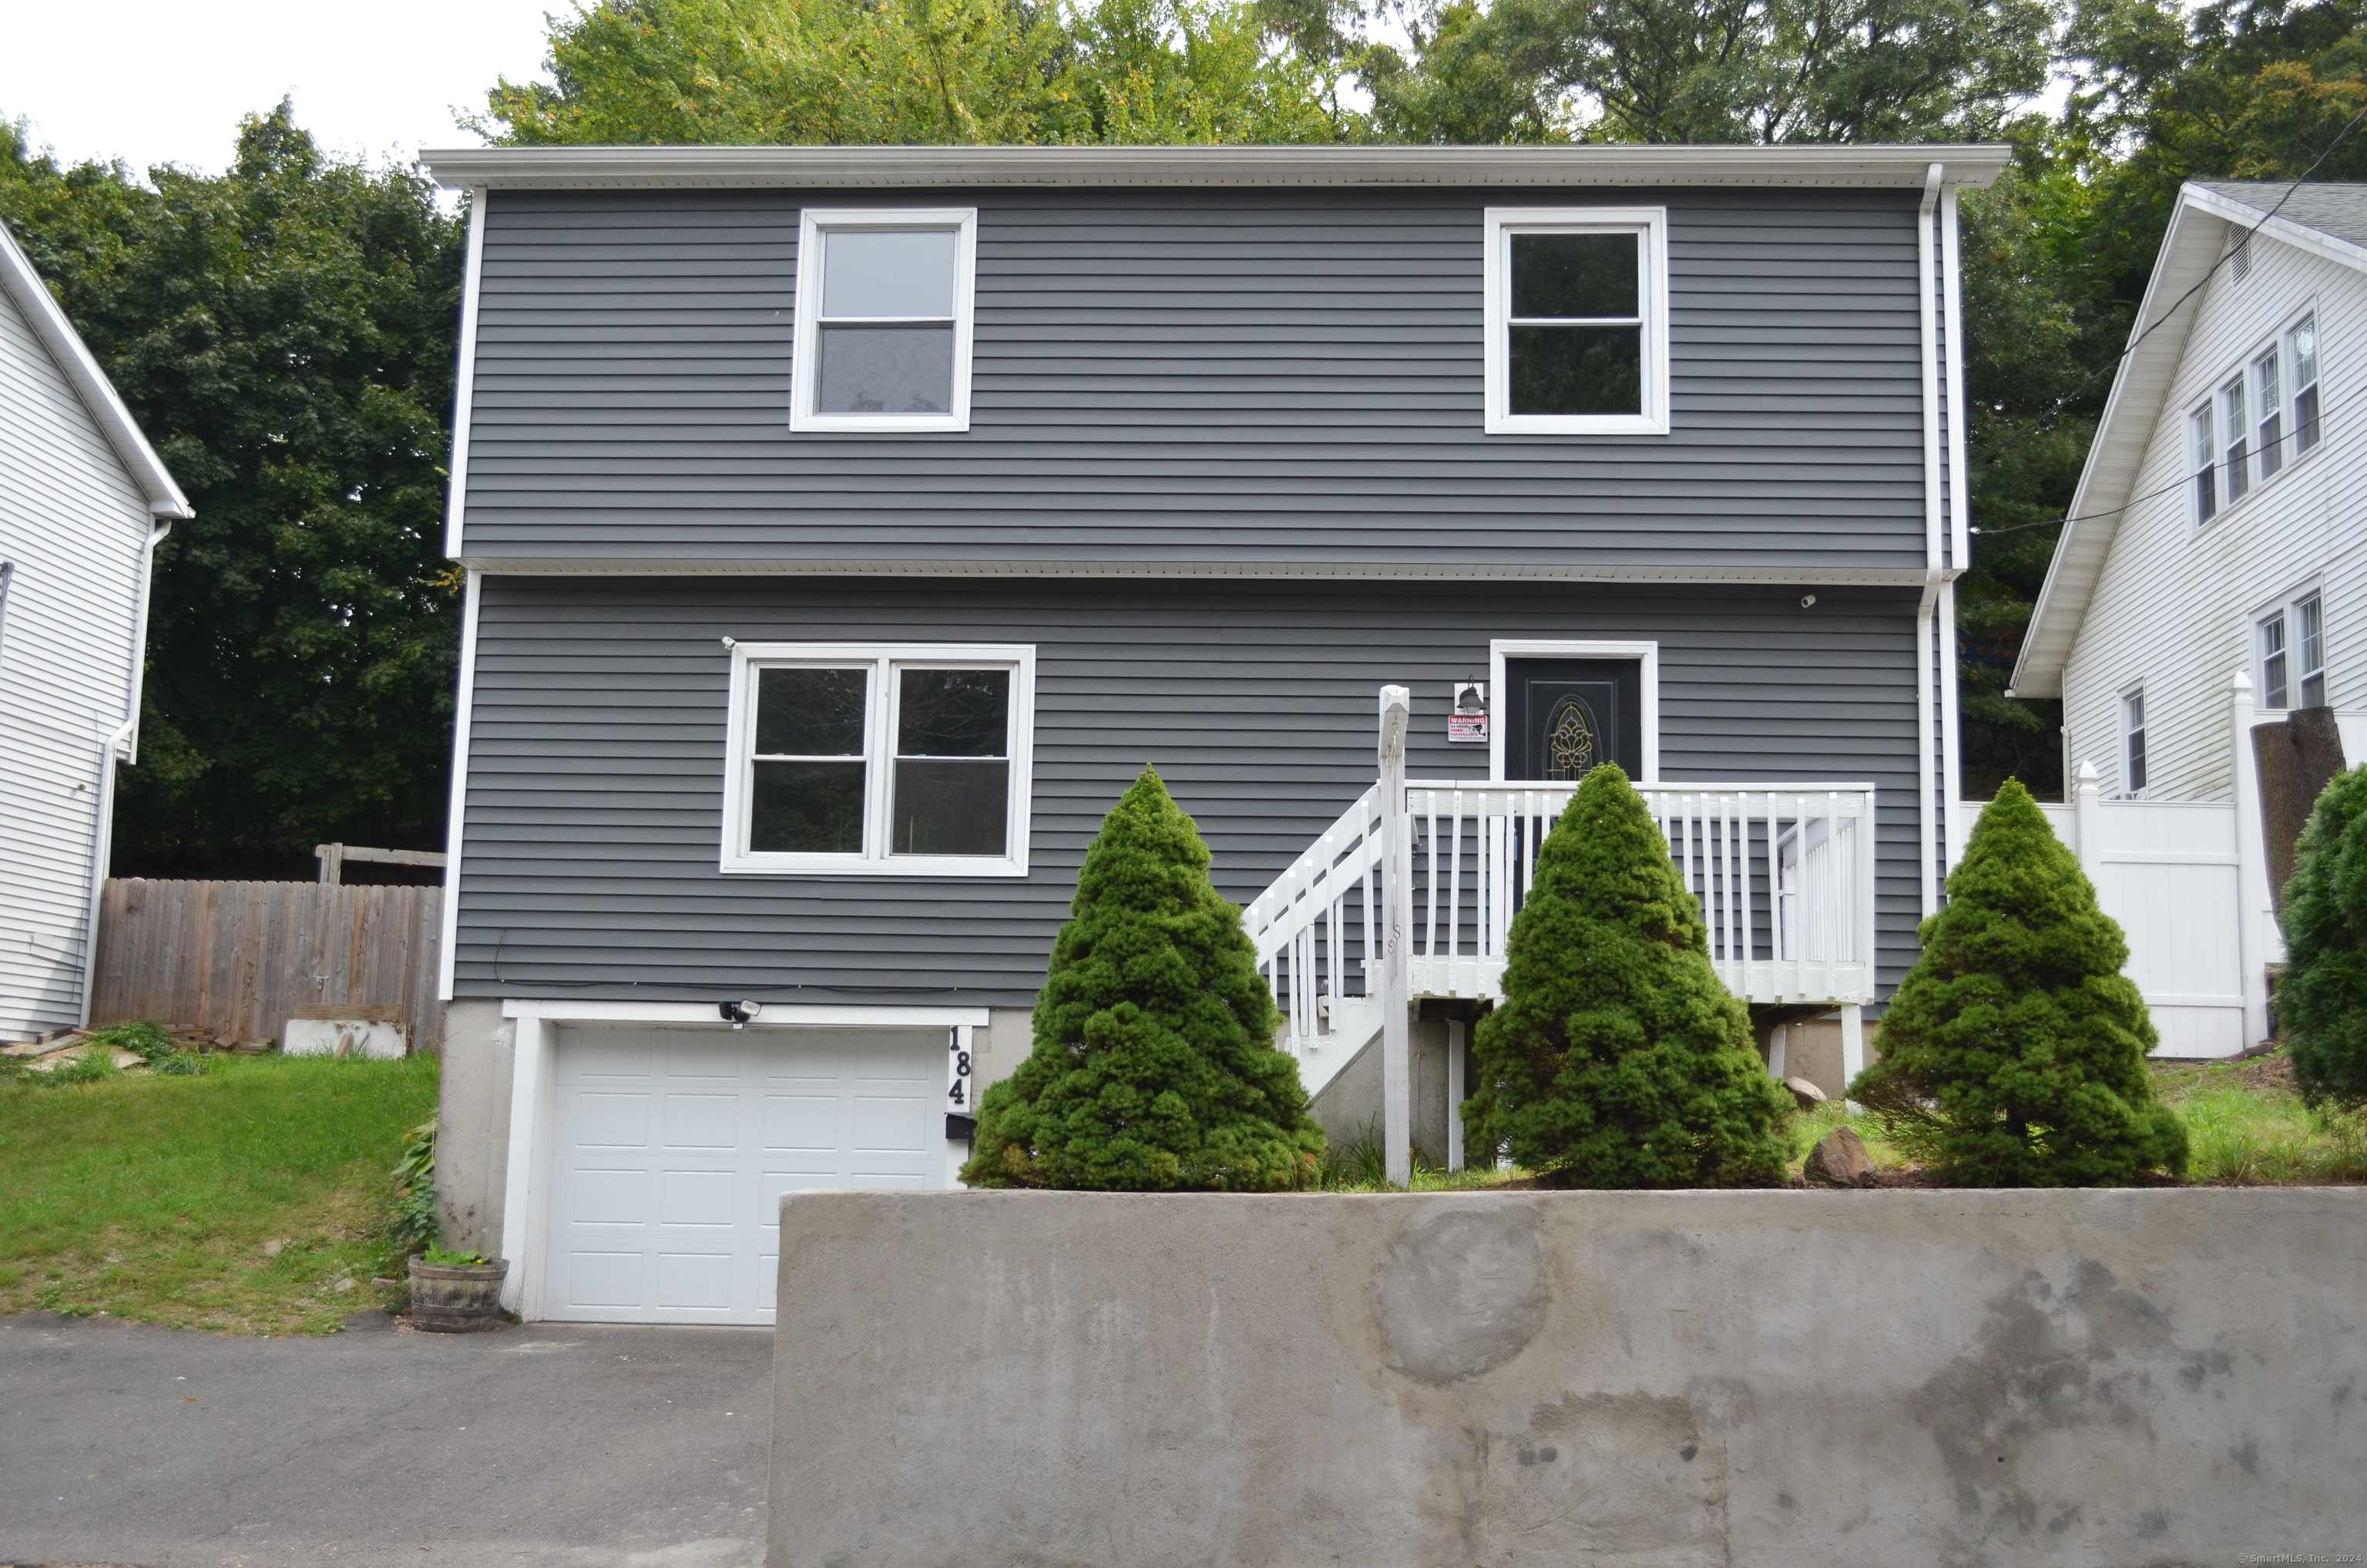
(702, 1122)
(610, 1120)
(609, 1196)
(802, 1122)
(696, 1198)
(603, 1279)
(667, 1195)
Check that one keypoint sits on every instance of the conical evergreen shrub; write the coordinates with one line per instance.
(2322, 1002)
(1154, 1065)
(1616, 1057)
(2014, 1052)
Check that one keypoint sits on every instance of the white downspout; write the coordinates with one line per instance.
(1933, 574)
(124, 742)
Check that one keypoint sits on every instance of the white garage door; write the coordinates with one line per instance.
(672, 1149)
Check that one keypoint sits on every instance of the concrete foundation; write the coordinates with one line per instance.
(997, 1379)
(472, 1124)
(1349, 1107)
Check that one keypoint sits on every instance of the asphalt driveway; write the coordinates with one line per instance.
(572, 1446)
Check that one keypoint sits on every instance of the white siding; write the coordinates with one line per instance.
(76, 528)
(2173, 608)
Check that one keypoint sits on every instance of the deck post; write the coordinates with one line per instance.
(1852, 1046)
(1396, 1042)
(1454, 1038)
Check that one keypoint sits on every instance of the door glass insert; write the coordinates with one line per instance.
(1569, 741)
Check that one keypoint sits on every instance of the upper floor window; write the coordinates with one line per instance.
(1577, 320)
(867, 759)
(2258, 421)
(883, 319)
(2133, 740)
(2292, 654)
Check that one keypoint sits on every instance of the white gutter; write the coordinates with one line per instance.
(1926, 820)
(464, 380)
(1896, 166)
(452, 825)
(125, 743)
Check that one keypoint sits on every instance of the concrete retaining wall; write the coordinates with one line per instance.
(981, 1379)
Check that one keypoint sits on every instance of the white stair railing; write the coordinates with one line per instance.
(1309, 927)
(1784, 873)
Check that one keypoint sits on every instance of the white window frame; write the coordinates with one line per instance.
(812, 224)
(2133, 704)
(2211, 420)
(1648, 659)
(2286, 612)
(879, 739)
(1651, 223)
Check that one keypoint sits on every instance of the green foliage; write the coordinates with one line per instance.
(237, 1201)
(284, 332)
(1757, 71)
(442, 1256)
(2014, 1052)
(916, 71)
(2322, 1003)
(91, 1064)
(1154, 1065)
(1617, 1059)
(152, 1043)
(415, 1224)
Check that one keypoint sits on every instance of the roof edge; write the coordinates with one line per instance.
(1895, 165)
(24, 285)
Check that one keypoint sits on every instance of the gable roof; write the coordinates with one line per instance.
(32, 297)
(2330, 220)
(1970, 165)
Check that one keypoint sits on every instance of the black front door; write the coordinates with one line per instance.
(1564, 717)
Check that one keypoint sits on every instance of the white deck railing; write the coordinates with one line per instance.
(1784, 874)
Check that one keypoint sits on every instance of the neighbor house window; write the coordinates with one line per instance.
(2132, 730)
(865, 759)
(883, 319)
(2234, 468)
(1577, 320)
(2267, 400)
(2301, 349)
(2293, 652)
(2203, 456)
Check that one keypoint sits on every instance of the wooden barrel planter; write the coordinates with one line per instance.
(448, 1298)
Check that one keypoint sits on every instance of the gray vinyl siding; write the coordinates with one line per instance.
(1258, 379)
(597, 753)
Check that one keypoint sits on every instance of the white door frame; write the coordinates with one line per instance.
(525, 1191)
(1645, 654)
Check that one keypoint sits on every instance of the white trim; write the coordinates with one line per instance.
(1650, 225)
(812, 222)
(464, 380)
(140, 639)
(1544, 570)
(2290, 231)
(1647, 655)
(457, 810)
(1929, 254)
(776, 1015)
(1960, 509)
(1974, 163)
(884, 659)
(21, 283)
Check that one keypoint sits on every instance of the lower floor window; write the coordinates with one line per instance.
(2132, 716)
(2292, 654)
(867, 757)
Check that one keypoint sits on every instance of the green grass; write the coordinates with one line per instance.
(154, 1199)
(2246, 1125)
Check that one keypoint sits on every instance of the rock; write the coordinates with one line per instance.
(1808, 1093)
(1840, 1160)
(273, 1249)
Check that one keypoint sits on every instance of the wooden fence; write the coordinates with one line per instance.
(240, 957)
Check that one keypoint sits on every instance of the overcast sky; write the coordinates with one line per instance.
(166, 80)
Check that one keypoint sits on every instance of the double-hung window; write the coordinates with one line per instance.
(2234, 458)
(2301, 348)
(2258, 423)
(2293, 652)
(2133, 740)
(868, 758)
(2203, 457)
(2268, 404)
(883, 312)
(1577, 320)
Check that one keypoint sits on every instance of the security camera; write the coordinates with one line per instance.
(739, 1015)
(1808, 601)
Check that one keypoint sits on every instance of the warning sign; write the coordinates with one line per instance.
(1466, 716)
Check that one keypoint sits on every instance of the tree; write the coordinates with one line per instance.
(1617, 1058)
(917, 71)
(285, 333)
(1154, 1065)
(2014, 1052)
(1759, 71)
(2322, 1002)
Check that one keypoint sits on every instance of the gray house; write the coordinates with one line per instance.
(846, 528)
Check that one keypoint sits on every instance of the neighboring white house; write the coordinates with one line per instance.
(84, 500)
(2218, 527)
(2213, 574)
